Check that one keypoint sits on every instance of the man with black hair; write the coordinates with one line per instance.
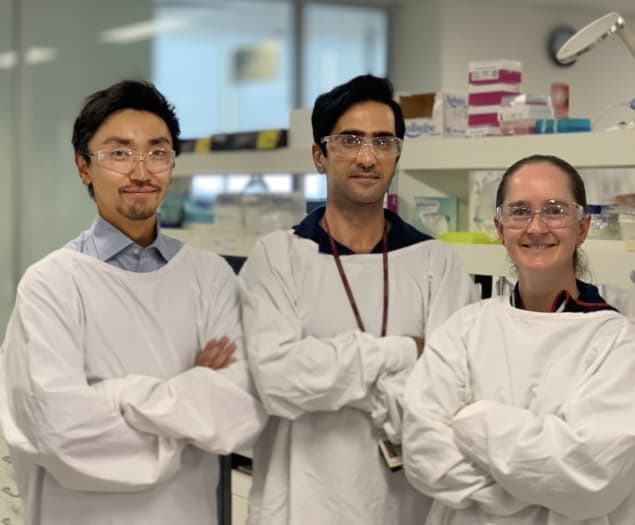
(107, 417)
(335, 314)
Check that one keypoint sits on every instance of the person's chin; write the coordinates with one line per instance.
(537, 261)
(140, 213)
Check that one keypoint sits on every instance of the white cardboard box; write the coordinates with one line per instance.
(437, 113)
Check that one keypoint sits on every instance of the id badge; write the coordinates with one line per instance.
(391, 452)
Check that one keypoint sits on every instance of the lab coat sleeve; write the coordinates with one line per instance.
(216, 410)
(385, 402)
(50, 413)
(295, 373)
(437, 388)
(199, 405)
(579, 462)
(450, 286)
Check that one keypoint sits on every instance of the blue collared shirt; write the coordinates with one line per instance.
(105, 242)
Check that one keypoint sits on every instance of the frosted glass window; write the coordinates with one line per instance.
(226, 66)
(315, 186)
(339, 43)
(204, 188)
(229, 66)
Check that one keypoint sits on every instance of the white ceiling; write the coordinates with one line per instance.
(624, 7)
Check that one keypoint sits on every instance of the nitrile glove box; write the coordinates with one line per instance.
(430, 114)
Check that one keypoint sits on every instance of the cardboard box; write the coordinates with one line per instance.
(434, 114)
(435, 215)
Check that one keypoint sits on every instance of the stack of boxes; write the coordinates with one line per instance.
(488, 82)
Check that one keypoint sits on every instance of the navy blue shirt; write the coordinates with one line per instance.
(400, 235)
(589, 300)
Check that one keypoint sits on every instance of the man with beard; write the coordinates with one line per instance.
(335, 313)
(122, 368)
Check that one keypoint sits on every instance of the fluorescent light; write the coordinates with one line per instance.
(142, 30)
(33, 56)
(40, 55)
(8, 59)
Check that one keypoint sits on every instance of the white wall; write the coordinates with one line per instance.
(54, 206)
(44, 194)
(6, 169)
(415, 54)
(464, 30)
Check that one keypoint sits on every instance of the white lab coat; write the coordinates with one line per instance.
(524, 418)
(334, 391)
(106, 419)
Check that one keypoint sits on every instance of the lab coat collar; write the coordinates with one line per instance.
(400, 235)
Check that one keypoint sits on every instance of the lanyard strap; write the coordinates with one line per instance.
(347, 286)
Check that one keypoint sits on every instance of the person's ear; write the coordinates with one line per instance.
(318, 158)
(583, 229)
(499, 230)
(82, 169)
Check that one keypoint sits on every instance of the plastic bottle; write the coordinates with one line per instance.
(560, 99)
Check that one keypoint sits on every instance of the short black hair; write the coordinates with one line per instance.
(127, 94)
(331, 105)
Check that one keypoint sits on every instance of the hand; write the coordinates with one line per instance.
(420, 341)
(217, 354)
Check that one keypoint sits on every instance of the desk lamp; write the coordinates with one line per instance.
(590, 35)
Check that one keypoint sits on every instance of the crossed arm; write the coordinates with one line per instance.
(579, 463)
(122, 434)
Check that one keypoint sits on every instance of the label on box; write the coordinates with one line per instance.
(489, 98)
(483, 131)
(434, 114)
(494, 71)
(524, 112)
(435, 216)
(482, 119)
(421, 126)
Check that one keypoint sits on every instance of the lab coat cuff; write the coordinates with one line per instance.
(470, 431)
(111, 390)
(400, 352)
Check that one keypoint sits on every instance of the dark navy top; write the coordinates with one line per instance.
(400, 235)
(589, 300)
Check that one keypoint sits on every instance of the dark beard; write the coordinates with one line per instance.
(137, 212)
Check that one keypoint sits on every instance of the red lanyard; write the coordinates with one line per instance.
(347, 286)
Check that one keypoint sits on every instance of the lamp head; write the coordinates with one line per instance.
(593, 33)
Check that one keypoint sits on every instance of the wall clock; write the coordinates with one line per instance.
(557, 37)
